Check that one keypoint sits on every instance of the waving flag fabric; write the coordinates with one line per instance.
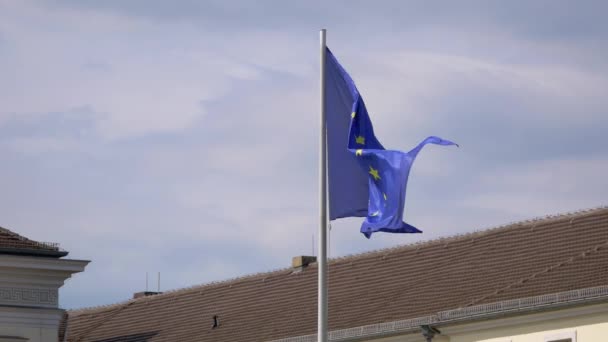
(364, 178)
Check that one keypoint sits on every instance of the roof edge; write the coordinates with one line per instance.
(478, 233)
(199, 287)
(34, 252)
(477, 312)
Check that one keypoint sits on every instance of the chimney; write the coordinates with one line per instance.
(145, 294)
(300, 262)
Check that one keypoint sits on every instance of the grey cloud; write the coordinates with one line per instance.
(560, 20)
(97, 66)
(75, 122)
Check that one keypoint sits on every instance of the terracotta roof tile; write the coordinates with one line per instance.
(523, 259)
(13, 243)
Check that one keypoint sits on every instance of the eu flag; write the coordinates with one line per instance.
(364, 179)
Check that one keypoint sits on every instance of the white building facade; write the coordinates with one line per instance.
(31, 274)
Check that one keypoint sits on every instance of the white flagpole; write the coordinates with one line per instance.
(322, 250)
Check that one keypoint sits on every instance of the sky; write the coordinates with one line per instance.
(181, 137)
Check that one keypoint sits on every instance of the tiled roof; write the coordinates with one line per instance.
(62, 326)
(523, 259)
(13, 243)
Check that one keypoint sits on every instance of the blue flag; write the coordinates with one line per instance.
(364, 179)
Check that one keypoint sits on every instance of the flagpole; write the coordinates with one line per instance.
(322, 250)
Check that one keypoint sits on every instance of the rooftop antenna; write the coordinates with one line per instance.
(158, 290)
(146, 281)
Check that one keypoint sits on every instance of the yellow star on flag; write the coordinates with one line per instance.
(359, 152)
(374, 173)
(384, 196)
(360, 140)
(353, 115)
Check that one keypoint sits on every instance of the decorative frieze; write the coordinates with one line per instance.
(28, 296)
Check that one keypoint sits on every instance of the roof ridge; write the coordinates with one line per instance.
(476, 233)
(253, 276)
(15, 235)
(97, 308)
(349, 257)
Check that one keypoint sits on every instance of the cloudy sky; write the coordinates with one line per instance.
(181, 136)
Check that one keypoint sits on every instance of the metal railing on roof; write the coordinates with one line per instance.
(29, 244)
(522, 304)
(53, 245)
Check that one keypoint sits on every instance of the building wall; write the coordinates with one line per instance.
(32, 334)
(29, 288)
(34, 324)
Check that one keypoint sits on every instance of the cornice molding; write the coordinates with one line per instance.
(39, 263)
(34, 281)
